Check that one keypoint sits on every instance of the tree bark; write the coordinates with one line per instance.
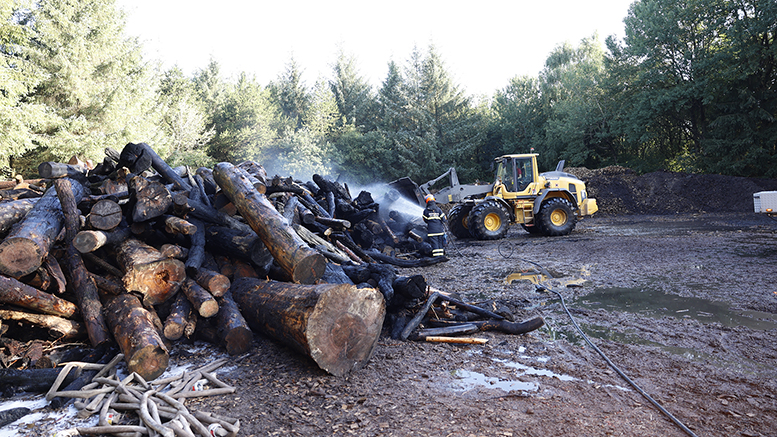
(231, 326)
(214, 282)
(29, 242)
(13, 211)
(134, 331)
(21, 294)
(299, 261)
(182, 319)
(238, 244)
(337, 325)
(148, 199)
(148, 272)
(139, 156)
(82, 284)
(60, 328)
(55, 170)
(200, 298)
(89, 241)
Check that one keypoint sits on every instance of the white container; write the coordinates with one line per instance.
(765, 202)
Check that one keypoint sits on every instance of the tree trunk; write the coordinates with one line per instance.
(200, 298)
(89, 241)
(13, 211)
(21, 294)
(182, 319)
(235, 243)
(105, 215)
(134, 331)
(302, 263)
(139, 156)
(337, 325)
(214, 282)
(62, 329)
(148, 272)
(82, 284)
(149, 199)
(29, 242)
(231, 326)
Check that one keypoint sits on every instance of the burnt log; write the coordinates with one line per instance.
(185, 206)
(32, 380)
(299, 261)
(13, 211)
(20, 294)
(498, 325)
(212, 281)
(148, 199)
(182, 319)
(232, 328)
(12, 415)
(177, 225)
(135, 331)
(258, 174)
(28, 243)
(239, 244)
(81, 281)
(197, 247)
(337, 325)
(105, 215)
(58, 327)
(55, 170)
(202, 301)
(147, 271)
(138, 157)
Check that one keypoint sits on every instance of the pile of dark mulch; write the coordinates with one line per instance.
(619, 190)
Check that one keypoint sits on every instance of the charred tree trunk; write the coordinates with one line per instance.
(137, 336)
(337, 325)
(21, 294)
(231, 326)
(138, 157)
(200, 298)
(105, 215)
(302, 263)
(182, 319)
(214, 282)
(89, 241)
(62, 329)
(13, 211)
(24, 249)
(82, 284)
(148, 199)
(148, 272)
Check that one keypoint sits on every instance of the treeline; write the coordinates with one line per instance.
(692, 87)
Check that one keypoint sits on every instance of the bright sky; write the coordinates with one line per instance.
(483, 43)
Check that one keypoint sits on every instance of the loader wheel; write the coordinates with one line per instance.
(488, 221)
(457, 220)
(556, 217)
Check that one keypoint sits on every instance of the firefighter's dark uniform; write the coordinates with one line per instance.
(435, 226)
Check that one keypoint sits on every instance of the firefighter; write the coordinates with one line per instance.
(435, 226)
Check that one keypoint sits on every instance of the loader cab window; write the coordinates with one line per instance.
(524, 173)
(504, 173)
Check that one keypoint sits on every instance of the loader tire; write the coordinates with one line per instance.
(457, 220)
(488, 221)
(556, 217)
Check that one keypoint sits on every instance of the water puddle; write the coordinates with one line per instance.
(654, 303)
(468, 380)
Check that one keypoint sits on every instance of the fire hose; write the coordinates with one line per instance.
(542, 288)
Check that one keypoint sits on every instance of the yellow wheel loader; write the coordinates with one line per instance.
(547, 203)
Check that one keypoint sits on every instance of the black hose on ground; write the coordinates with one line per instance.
(541, 288)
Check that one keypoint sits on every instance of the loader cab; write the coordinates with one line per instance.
(515, 174)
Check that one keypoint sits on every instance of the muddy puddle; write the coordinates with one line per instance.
(654, 303)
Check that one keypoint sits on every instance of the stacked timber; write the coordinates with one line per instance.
(135, 253)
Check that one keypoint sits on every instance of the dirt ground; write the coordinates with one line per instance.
(701, 343)
(683, 302)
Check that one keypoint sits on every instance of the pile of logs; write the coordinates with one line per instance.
(141, 254)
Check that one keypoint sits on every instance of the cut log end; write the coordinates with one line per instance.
(309, 269)
(238, 340)
(149, 362)
(19, 257)
(344, 328)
